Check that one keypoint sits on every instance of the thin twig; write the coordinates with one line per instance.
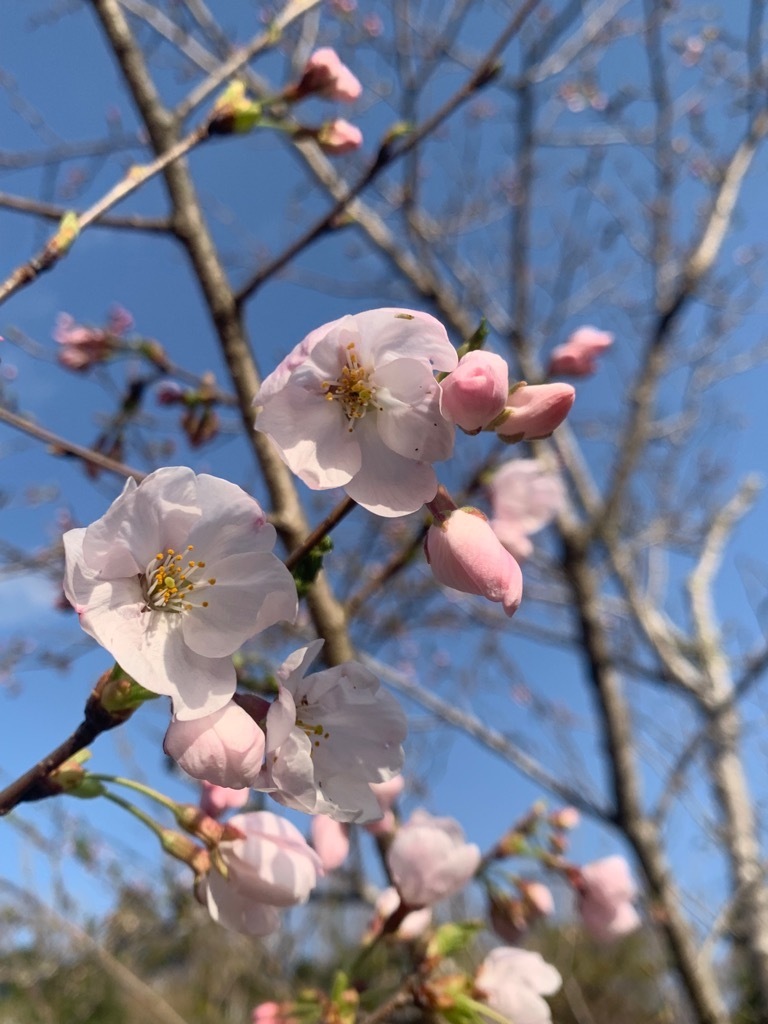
(61, 446)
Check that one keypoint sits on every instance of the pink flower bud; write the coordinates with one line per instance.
(81, 346)
(533, 411)
(331, 841)
(328, 76)
(338, 137)
(273, 1013)
(606, 891)
(465, 553)
(429, 860)
(538, 899)
(168, 392)
(476, 392)
(215, 800)
(578, 356)
(225, 748)
(566, 818)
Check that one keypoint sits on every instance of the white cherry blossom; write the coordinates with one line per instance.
(173, 579)
(356, 405)
(328, 736)
(512, 981)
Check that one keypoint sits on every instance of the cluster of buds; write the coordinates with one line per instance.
(199, 419)
(82, 347)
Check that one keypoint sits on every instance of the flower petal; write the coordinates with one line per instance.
(141, 522)
(392, 333)
(388, 484)
(251, 592)
(410, 422)
(312, 435)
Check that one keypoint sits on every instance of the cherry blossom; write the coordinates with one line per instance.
(606, 891)
(512, 981)
(578, 356)
(464, 553)
(328, 76)
(225, 748)
(328, 736)
(272, 866)
(476, 392)
(525, 497)
(173, 579)
(356, 405)
(429, 859)
(215, 800)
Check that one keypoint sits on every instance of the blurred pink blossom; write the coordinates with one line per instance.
(429, 859)
(215, 800)
(326, 75)
(566, 818)
(464, 553)
(413, 924)
(331, 841)
(386, 794)
(578, 356)
(512, 981)
(606, 890)
(476, 392)
(272, 866)
(225, 748)
(533, 411)
(338, 137)
(373, 25)
(525, 497)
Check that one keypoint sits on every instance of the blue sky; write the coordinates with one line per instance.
(257, 200)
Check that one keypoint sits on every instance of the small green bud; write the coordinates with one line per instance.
(451, 938)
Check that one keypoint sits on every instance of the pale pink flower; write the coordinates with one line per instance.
(386, 794)
(578, 356)
(338, 137)
(356, 405)
(328, 736)
(429, 859)
(565, 818)
(525, 497)
(464, 553)
(328, 76)
(331, 841)
(216, 800)
(173, 579)
(606, 890)
(533, 411)
(413, 924)
(225, 748)
(476, 392)
(512, 981)
(272, 866)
